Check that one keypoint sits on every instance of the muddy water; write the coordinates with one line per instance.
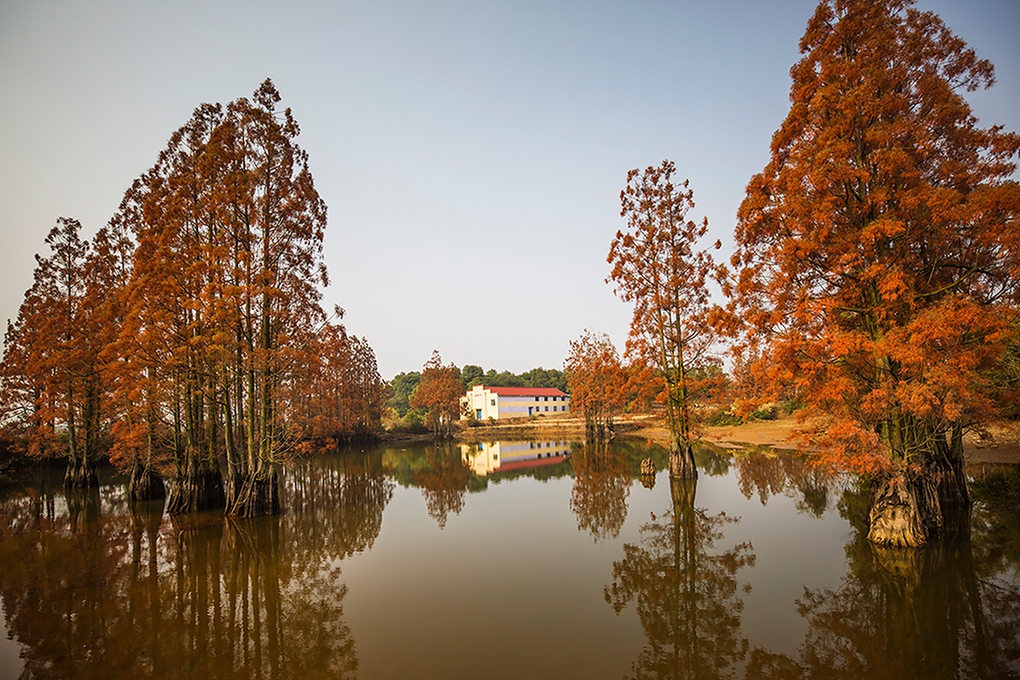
(507, 560)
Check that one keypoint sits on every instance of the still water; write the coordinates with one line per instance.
(508, 560)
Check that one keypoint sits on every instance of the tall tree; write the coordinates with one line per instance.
(52, 354)
(657, 267)
(439, 393)
(172, 297)
(277, 218)
(878, 255)
(596, 380)
(225, 298)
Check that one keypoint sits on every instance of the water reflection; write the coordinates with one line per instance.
(686, 591)
(94, 586)
(903, 613)
(443, 481)
(602, 480)
(766, 473)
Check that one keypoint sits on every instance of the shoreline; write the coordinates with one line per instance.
(1001, 445)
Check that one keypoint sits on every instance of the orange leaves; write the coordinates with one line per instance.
(596, 378)
(439, 392)
(878, 248)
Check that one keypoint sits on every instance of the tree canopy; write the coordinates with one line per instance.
(877, 250)
(658, 267)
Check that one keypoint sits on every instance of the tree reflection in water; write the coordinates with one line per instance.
(95, 587)
(766, 473)
(601, 485)
(104, 590)
(905, 613)
(686, 592)
(443, 481)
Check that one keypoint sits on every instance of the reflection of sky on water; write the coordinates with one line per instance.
(518, 579)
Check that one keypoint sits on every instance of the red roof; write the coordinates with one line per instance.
(531, 463)
(525, 391)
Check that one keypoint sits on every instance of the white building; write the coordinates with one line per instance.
(513, 402)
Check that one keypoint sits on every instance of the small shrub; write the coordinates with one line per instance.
(765, 412)
(721, 418)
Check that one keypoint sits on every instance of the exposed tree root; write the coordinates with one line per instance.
(201, 490)
(146, 485)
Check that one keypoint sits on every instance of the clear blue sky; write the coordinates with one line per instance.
(471, 153)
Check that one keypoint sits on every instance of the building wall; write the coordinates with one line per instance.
(486, 404)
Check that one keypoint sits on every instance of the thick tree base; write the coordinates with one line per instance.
(146, 485)
(601, 432)
(681, 462)
(257, 496)
(910, 510)
(80, 475)
(196, 493)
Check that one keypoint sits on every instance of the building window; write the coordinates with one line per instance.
(554, 408)
(546, 408)
(492, 402)
(537, 398)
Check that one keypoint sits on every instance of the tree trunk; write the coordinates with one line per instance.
(146, 484)
(199, 488)
(911, 509)
(259, 495)
(896, 513)
(681, 462)
(81, 474)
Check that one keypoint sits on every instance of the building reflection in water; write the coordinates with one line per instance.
(486, 458)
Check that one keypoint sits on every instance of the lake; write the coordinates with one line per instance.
(508, 560)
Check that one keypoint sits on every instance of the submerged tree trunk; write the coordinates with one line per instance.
(199, 488)
(909, 508)
(146, 484)
(81, 474)
(259, 495)
(681, 461)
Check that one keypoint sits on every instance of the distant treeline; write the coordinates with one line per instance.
(403, 384)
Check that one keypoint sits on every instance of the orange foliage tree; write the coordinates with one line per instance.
(439, 393)
(225, 296)
(878, 255)
(657, 266)
(53, 366)
(339, 397)
(189, 332)
(596, 380)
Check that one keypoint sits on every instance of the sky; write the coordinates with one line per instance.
(471, 153)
